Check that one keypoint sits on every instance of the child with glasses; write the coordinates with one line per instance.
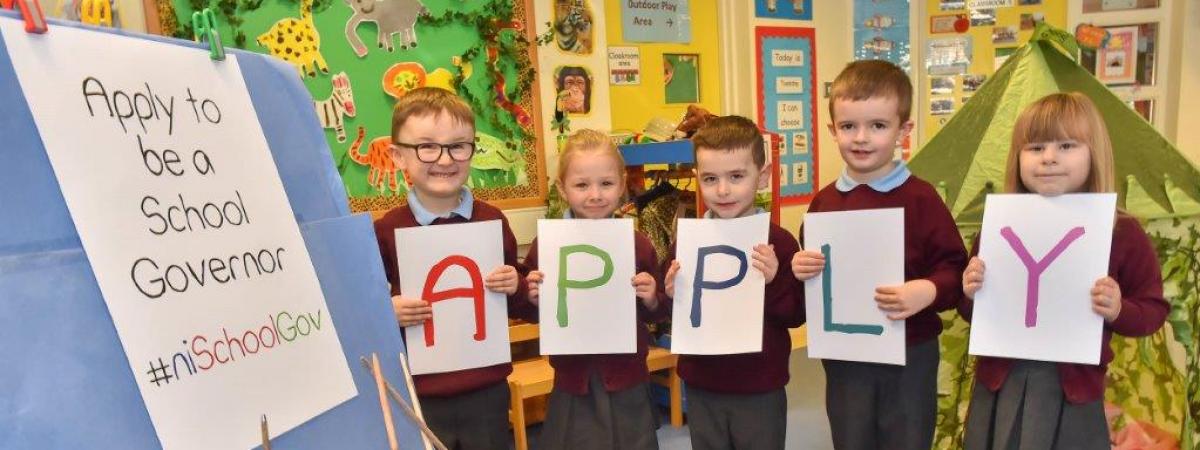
(434, 138)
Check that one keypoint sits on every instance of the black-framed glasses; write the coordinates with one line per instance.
(431, 152)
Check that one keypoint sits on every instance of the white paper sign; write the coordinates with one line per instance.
(978, 4)
(718, 293)
(624, 66)
(587, 303)
(180, 209)
(445, 265)
(787, 58)
(789, 85)
(863, 250)
(1043, 255)
(791, 115)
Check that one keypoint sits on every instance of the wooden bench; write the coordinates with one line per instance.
(534, 378)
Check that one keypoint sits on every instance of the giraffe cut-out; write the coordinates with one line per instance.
(382, 168)
(393, 17)
(296, 41)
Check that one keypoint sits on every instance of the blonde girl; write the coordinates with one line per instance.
(602, 401)
(1060, 145)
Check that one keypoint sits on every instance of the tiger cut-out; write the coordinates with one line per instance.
(296, 41)
(382, 168)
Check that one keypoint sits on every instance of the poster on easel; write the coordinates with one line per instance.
(786, 90)
(195, 258)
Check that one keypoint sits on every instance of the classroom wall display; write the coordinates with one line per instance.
(968, 38)
(481, 50)
(445, 265)
(783, 9)
(881, 31)
(586, 301)
(682, 75)
(572, 36)
(656, 21)
(1043, 256)
(786, 83)
(123, 14)
(718, 293)
(224, 329)
(863, 250)
(624, 66)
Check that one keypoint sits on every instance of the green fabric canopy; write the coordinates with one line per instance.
(965, 160)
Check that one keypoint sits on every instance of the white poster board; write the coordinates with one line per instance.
(863, 250)
(1043, 255)
(445, 265)
(718, 292)
(180, 209)
(587, 303)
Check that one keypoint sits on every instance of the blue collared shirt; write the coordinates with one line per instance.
(466, 204)
(886, 183)
(710, 214)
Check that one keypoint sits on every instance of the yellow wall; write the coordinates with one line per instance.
(633, 106)
(984, 52)
(1187, 136)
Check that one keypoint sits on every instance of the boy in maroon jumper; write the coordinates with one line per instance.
(433, 133)
(873, 404)
(738, 401)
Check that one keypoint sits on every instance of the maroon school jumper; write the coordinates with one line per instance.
(765, 371)
(619, 371)
(933, 249)
(1133, 263)
(454, 383)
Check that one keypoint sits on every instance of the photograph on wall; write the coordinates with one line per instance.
(948, 56)
(783, 9)
(1115, 62)
(1004, 35)
(1030, 20)
(941, 85)
(681, 77)
(573, 26)
(574, 86)
(972, 82)
(983, 17)
(941, 106)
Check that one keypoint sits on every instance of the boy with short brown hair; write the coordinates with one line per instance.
(873, 404)
(738, 401)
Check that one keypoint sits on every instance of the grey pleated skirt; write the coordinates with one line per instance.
(600, 420)
(1031, 412)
